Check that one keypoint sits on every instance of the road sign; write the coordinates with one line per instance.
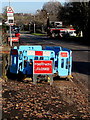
(11, 20)
(10, 11)
(43, 67)
(14, 39)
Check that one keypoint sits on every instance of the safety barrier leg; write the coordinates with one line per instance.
(50, 79)
(34, 78)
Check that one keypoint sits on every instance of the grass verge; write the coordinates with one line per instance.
(38, 34)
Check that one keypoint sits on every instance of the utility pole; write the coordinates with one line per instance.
(34, 24)
(10, 36)
(34, 27)
(9, 3)
(29, 27)
(10, 30)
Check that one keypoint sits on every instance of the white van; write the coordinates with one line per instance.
(72, 32)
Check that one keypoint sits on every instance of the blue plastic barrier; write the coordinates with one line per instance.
(63, 65)
(22, 58)
(17, 56)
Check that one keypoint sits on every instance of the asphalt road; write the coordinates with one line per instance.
(81, 63)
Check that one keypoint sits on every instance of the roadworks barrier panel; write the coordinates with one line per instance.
(26, 60)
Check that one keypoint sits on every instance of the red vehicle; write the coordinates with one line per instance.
(15, 38)
(17, 35)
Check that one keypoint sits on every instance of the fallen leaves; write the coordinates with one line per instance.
(25, 100)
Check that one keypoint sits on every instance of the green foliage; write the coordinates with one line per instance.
(77, 14)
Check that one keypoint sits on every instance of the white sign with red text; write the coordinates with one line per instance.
(14, 39)
(10, 11)
(43, 67)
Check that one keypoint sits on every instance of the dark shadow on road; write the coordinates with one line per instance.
(78, 40)
(81, 67)
(81, 50)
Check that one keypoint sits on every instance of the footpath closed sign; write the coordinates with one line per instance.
(43, 67)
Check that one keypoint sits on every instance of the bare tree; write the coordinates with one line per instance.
(52, 7)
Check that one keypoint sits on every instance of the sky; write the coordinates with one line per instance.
(25, 6)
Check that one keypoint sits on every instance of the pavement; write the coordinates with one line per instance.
(4, 49)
